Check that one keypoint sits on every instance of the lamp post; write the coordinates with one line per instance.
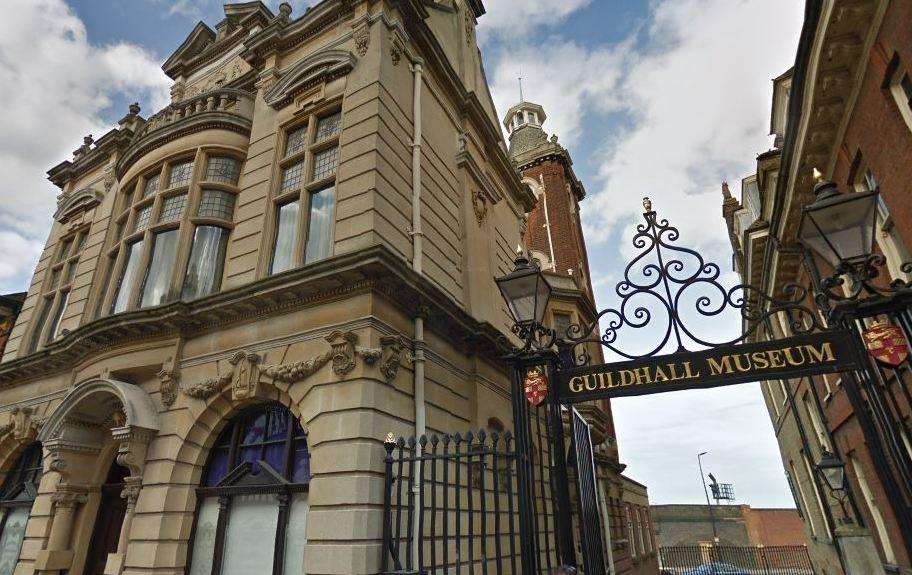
(832, 469)
(527, 292)
(840, 229)
(712, 516)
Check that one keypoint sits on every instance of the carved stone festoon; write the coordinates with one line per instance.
(480, 206)
(361, 37)
(22, 425)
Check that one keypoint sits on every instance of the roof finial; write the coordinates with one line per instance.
(818, 176)
(647, 205)
(521, 97)
(726, 192)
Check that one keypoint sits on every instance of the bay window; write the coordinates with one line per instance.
(252, 501)
(170, 236)
(16, 498)
(305, 195)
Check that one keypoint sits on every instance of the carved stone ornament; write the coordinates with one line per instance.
(133, 442)
(246, 375)
(297, 371)
(361, 37)
(22, 425)
(395, 50)
(391, 356)
(110, 177)
(480, 205)
(469, 26)
(342, 351)
(131, 489)
(168, 384)
(69, 496)
(206, 388)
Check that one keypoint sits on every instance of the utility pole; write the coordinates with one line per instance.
(712, 516)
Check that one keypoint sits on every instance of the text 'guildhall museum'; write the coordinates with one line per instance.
(242, 294)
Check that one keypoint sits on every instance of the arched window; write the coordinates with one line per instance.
(253, 499)
(16, 498)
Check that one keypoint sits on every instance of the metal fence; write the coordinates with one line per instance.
(735, 560)
(451, 505)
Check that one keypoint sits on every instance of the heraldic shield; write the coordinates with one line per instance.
(887, 344)
(536, 386)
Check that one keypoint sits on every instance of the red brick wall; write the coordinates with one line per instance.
(774, 526)
(877, 131)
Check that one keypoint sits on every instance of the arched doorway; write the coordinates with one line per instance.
(112, 510)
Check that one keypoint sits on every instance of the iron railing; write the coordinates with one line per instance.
(735, 560)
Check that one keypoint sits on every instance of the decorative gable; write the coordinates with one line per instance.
(319, 68)
(200, 38)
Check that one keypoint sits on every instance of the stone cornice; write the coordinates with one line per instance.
(114, 141)
(552, 152)
(323, 66)
(376, 270)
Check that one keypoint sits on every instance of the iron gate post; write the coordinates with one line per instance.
(528, 538)
(567, 551)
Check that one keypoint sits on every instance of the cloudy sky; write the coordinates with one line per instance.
(665, 98)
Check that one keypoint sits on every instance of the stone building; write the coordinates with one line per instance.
(244, 292)
(845, 109)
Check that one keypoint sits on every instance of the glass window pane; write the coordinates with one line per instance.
(143, 217)
(292, 176)
(158, 276)
(151, 185)
(325, 163)
(329, 126)
(297, 140)
(58, 315)
(40, 320)
(64, 250)
(222, 169)
(296, 535)
(204, 538)
(278, 424)
(218, 467)
(11, 538)
(250, 538)
(286, 237)
(80, 243)
(216, 204)
(255, 430)
(207, 259)
(300, 463)
(319, 234)
(274, 455)
(55, 278)
(180, 173)
(127, 278)
(172, 208)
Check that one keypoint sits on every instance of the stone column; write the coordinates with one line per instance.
(58, 556)
(116, 561)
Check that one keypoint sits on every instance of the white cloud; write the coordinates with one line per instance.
(56, 91)
(505, 18)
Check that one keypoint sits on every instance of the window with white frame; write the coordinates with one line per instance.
(899, 84)
(170, 240)
(306, 196)
(888, 239)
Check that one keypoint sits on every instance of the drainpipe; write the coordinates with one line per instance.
(417, 255)
(541, 179)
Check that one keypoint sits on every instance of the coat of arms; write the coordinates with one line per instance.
(886, 343)
(536, 387)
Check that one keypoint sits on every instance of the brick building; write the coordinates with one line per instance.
(553, 235)
(846, 110)
(10, 304)
(735, 525)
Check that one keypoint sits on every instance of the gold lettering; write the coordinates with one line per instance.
(688, 370)
(775, 356)
(643, 375)
(576, 384)
(791, 360)
(738, 366)
(674, 372)
(758, 358)
(627, 377)
(825, 353)
(719, 367)
(660, 375)
(591, 384)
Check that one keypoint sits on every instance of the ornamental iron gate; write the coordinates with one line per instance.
(496, 502)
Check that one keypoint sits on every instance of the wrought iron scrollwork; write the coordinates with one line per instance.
(852, 280)
(668, 288)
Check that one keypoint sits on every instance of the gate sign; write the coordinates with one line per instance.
(536, 387)
(887, 344)
(793, 357)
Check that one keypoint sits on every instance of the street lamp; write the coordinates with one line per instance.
(839, 227)
(833, 471)
(526, 292)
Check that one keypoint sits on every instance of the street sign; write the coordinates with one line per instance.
(887, 344)
(793, 357)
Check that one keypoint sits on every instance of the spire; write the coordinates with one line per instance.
(521, 97)
(726, 193)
